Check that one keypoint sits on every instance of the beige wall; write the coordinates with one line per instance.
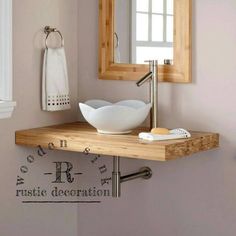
(188, 197)
(29, 18)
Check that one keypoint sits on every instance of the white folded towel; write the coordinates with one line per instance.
(55, 87)
(174, 134)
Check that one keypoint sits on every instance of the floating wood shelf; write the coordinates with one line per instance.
(80, 137)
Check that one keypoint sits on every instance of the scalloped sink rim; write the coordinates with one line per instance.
(115, 118)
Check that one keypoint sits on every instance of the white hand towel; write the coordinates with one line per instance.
(55, 87)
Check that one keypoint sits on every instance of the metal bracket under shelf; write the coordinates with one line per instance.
(117, 179)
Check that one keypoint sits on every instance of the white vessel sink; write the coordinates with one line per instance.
(115, 118)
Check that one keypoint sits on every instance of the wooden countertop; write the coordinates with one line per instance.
(79, 136)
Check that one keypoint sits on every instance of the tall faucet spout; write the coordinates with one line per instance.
(152, 75)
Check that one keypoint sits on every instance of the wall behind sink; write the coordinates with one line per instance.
(29, 18)
(193, 196)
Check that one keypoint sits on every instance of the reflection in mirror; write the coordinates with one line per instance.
(143, 31)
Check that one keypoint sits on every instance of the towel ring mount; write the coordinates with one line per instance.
(48, 30)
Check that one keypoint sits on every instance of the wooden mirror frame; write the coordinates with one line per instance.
(179, 72)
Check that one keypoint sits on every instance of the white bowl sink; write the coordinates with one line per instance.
(115, 118)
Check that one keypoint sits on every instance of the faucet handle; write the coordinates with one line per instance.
(145, 78)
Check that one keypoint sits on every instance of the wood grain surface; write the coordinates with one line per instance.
(79, 137)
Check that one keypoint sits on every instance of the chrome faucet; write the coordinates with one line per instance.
(152, 77)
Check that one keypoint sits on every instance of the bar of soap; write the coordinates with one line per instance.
(160, 131)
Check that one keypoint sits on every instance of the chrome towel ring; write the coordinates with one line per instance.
(48, 30)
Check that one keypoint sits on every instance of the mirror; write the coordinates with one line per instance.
(143, 30)
(132, 31)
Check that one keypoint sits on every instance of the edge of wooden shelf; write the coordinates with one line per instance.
(80, 136)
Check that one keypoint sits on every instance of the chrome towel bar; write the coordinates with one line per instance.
(48, 30)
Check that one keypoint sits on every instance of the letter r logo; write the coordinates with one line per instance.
(66, 171)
